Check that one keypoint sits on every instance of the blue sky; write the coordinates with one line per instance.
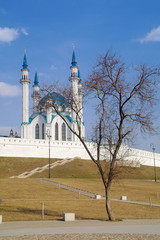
(48, 28)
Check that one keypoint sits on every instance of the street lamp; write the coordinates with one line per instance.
(153, 149)
(49, 137)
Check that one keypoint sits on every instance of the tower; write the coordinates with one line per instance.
(76, 94)
(35, 95)
(25, 95)
(74, 82)
(80, 95)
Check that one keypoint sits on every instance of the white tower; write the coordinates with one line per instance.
(76, 94)
(25, 96)
(80, 96)
(36, 96)
(74, 81)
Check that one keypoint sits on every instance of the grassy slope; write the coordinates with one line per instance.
(57, 200)
(76, 169)
(79, 173)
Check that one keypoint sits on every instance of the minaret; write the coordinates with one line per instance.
(80, 95)
(35, 95)
(74, 81)
(77, 96)
(25, 90)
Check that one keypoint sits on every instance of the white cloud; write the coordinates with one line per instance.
(53, 67)
(24, 31)
(152, 36)
(8, 34)
(7, 90)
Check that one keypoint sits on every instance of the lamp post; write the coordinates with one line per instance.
(49, 137)
(153, 149)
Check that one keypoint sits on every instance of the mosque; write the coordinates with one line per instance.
(44, 133)
(44, 121)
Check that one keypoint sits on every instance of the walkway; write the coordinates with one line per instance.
(89, 227)
(93, 195)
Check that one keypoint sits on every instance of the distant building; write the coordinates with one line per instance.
(44, 121)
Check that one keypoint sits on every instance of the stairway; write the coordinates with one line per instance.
(41, 169)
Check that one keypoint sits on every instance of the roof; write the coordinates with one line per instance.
(36, 82)
(74, 63)
(55, 98)
(25, 65)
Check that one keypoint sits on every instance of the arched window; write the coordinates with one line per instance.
(43, 131)
(56, 131)
(63, 132)
(37, 131)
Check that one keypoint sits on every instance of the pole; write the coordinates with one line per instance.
(49, 137)
(42, 210)
(153, 149)
(49, 157)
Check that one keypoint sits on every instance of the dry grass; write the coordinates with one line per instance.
(82, 174)
(15, 166)
(57, 201)
(76, 169)
(135, 190)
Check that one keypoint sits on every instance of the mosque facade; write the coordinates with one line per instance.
(44, 122)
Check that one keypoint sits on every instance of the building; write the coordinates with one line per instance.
(44, 122)
(44, 133)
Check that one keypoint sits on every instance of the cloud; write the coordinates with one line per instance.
(23, 30)
(53, 67)
(7, 90)
(152, 36)
(8, 34)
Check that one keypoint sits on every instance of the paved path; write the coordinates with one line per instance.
(66, 187)
(92, 195)
(80, 227)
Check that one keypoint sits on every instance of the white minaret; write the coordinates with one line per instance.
(25, 94)
(80, 96)
(74, 81)
(36, 95)
(77, 94)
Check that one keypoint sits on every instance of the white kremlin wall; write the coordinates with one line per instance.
(37, 148)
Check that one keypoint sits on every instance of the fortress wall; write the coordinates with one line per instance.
(38, 148)
(17, 147)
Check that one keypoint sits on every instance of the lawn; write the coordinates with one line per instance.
(23, 198)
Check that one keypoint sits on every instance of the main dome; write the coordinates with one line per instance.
(55, 98)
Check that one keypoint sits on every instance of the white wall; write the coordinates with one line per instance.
(18, 147)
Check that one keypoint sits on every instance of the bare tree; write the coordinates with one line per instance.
(122, 104)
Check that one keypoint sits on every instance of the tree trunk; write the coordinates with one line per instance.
(108, 204)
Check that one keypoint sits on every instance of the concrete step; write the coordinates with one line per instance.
(41, 169)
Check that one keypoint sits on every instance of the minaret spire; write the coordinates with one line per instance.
(25, 65)
(74, 63)
(36, 95)
(36, 82)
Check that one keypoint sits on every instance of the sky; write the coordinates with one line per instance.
(47, 29)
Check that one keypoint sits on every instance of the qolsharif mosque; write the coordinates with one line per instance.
(44, 119)
(44, 133)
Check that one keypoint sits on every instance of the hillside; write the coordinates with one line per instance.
(75, 169)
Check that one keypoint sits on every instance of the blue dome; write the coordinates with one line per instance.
(56, 98)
